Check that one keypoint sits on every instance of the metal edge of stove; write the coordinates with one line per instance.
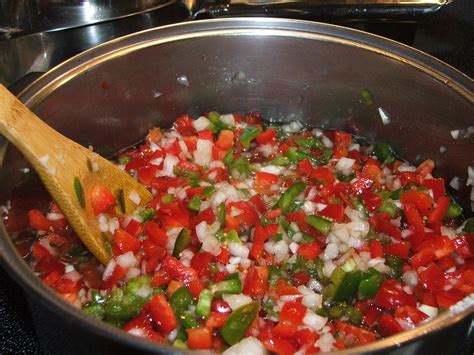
(331, 10)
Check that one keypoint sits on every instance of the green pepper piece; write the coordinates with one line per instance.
(395, 195)
(295, 155)
(388, 207)
(186, 173)
(123, 305)
(146, 214)
(367, 97)
(215, 119)
(369, 286)
(203, 307)
(289, 196)
(360, 207)
(166, 199)
(188, 320)
(384, 153)
(123, 160)
(248, 135)
(395, 264)
(138, 283)
(209, 191)
(239, 322)
(321, 224)
(79, 192)
(280, 161)
(454, 210)
(324, 157)
(233, 276)
(226, 286)
(232, 237)
(310, 142)
(354, 315)
(221, 214)
(195, 204)
(182, 334)
(94, 310)
(241, 166)
(349, 286)
(182, 242)
(178, 343)
(228, 158)
(274, 274)
(180, 300)
(469, 225)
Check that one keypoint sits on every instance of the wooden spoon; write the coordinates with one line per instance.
(66, 168)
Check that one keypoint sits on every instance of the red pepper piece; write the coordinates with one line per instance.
(162, 314)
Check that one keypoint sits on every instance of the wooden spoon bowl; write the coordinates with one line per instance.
(69, 171)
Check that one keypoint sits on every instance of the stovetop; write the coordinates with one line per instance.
(447, 35)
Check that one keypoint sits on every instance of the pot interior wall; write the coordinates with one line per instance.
(113, 104)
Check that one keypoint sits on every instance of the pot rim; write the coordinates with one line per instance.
(84, 61)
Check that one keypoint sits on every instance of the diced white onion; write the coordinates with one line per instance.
(228, 119)
(384, 116)
(236, 301)
(109, 269)
(455, 183)
(201, 123)
(54, 216)
(344, 165)
(411, 278)
(428, 310)
(247, 346)
(203, 152)
(126, 260)
(314, 321)
(168, 165)
(239, 250)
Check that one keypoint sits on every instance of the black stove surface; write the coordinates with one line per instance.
(447, 35)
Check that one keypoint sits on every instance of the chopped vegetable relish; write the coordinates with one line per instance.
(264, 238)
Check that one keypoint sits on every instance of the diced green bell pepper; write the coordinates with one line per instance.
(182, 242)
(215, 119)
(321, 224)
(239, 322)
(368, 287)
(395, 264)
(203, 307)
(95, 310)
(248, 135)
(310, 142)
(454, 210)
(195, 204)
(469, 225)
(384, 153)
(226, 286)
(287, 198)
(146, 214)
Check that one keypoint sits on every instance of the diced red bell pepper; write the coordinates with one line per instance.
(300, 278)
(248, 215)
(216, 320)
(391, 295)
(400, 249)
(160, 278)
(147, 173)
(201, 262)
(101, 199)
(285, 329)
(382, 224)
(342, 139)
(156, 234)
(306, 337)
(279, 346)
(267, 136)
(199, 338)
(264, 181)
(225, 140)
(284, 289)
(437, 214)
(162, 314)
(293, 312)
(422, 201)
(376, 249)
(413, 217)
(256, 281)
(334, 212)
(125, 242)
(357, 335)
(223, 256)
(262, 234)
(432, 278)
(464, 246)
(39, 221)
(411, 314)
(309, 251)
(437, 186)
(389, 325)
(134, 228)
(371, 200)
(184, 125)
(178, 271)
(446, 299)
(361, 184)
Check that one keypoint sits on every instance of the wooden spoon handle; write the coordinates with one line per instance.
(34, 138)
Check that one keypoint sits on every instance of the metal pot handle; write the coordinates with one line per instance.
(326, 10)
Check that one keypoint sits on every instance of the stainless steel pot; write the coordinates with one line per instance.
(110, 95)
